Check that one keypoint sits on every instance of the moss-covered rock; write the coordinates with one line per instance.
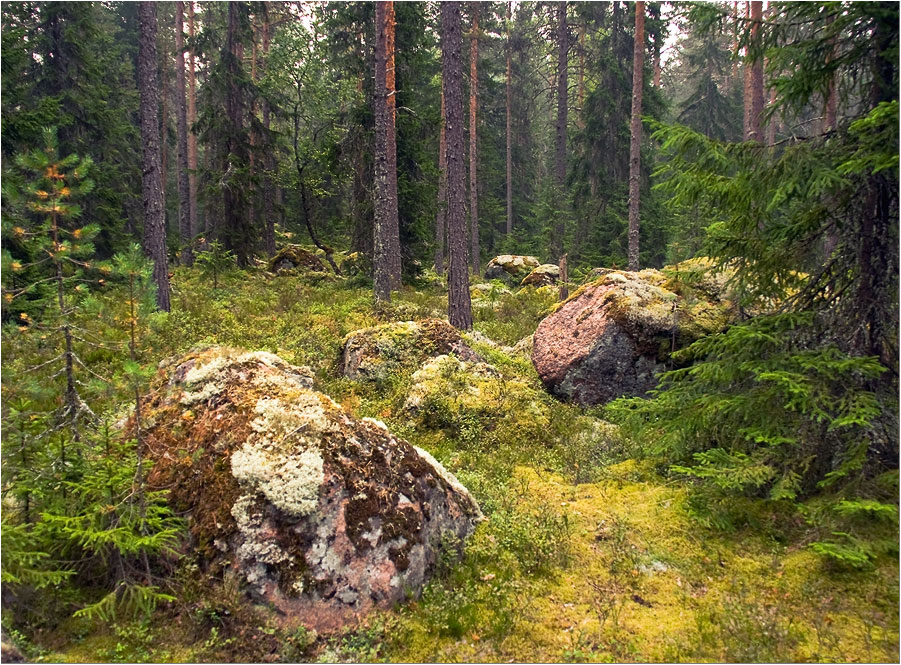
(449, 393)
(546, 274)
(355, 263)
(295, 257)
(615, 334)
(374, 354)
(510, 268)
(322, 515)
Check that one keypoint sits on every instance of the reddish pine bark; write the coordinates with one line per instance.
(747, 84)
(391, 101)
(458, 302)
(152, 180)
(635, 144)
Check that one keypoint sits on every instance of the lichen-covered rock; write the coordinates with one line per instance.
(546, 274)
(451, 393)
(373, 354)
(487, 291)
(510, 267)
(613, 336)
(321, 515)
(294, 257)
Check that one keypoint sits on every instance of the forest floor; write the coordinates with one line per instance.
(586, 555)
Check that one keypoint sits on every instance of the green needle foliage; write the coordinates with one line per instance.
(801, 400)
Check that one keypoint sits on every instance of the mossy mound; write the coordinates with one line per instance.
(356, 263)
(374, 354)
(321, 515)
(615, 334)
(546, 274)
(511, 268)
(295, 257)
(453, 394)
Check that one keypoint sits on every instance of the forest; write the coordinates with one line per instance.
(450, 331)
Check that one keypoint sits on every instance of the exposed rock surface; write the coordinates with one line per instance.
(372, 354)
(321, 515)
(294, 257)
(546, 274)
(510, 267)
(614, 335)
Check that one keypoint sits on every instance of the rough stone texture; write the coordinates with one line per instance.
(294, 257)
(510, 267)
(373, 354)
(321, 515)
(546, 274)
(614, 335)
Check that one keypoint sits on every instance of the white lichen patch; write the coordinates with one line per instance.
(208, 371)
(290, 482)
(209, 390)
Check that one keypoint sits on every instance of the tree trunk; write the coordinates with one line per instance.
(473, 140)
(458, 302)
(635, 144)
(382, 203)
(268, 189)
(184, 188)
(192, 118)
(152, 183)
(755, 132)
(238, 237)
(747, 83)
(394, 257)
(441, 215)
(509, 123)
(559, 230)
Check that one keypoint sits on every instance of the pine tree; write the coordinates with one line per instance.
(459, 305)
(635, 144)
(184, 187)
(473, 139)
(154, 213)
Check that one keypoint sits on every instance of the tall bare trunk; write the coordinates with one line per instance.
(441, 215)
(184, 188)
(152, 183)
(635, 144)
(473, 142)
(268, 189)
(755, 132)
(458, 302)
(391, 98)
(192, 118)
(386, 239)
(747, 83)
(559, 231)
(509, 123)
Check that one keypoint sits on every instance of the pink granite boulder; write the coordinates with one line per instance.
(321, 515)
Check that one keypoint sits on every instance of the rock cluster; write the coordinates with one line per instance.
(294, 257)
(546, 274)
(373, 354)
(510, 267)
(321, 515)
(615, 334)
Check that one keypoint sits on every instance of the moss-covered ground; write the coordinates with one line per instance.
(586, 555)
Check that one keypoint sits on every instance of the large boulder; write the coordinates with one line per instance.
(295, 257)
(373, 354)
(511, 268)
(321, 515)
(614, 335)
(546, 274)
